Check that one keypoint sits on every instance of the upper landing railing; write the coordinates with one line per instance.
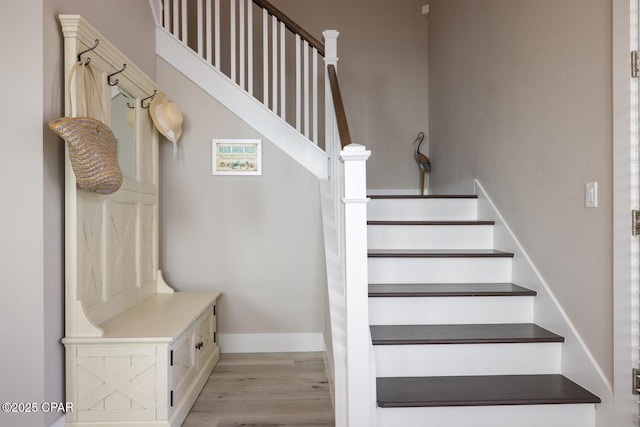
(260, 49)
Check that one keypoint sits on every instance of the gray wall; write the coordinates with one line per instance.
(22, 318)
(383, 77)
(32, 179)
(520, 97)
(257, 239)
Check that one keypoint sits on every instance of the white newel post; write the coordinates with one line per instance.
(354, 158)
(332, 140)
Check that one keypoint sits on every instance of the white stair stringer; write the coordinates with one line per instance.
(574, 415)
(467, 359)
(577, 361)
(241, 103)
(449, 310)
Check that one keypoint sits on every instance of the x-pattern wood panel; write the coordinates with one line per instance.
(121, 258)
(147, 243)
(96, 370)
(90, 265)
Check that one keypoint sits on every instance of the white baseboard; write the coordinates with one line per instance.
(271, 343)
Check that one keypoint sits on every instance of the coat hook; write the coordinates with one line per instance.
(147, 98)
(116, 81)
(88, 50)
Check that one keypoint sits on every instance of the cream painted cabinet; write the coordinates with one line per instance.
(137, 352)
(149, 365)
(190, 354)
(206, 337)
(182, 366)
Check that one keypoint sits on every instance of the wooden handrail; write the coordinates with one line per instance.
(291, 25)
(338, 106)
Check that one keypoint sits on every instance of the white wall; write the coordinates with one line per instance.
(257, 239)
(520, 98)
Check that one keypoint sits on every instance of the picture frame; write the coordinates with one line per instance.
(236, 156)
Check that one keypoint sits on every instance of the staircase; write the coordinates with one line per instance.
(455, 341)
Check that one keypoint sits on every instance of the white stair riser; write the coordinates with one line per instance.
(430, 237)
(578, 415)
(421, 209)
(449, 310)
(467, 359)
(439, 270)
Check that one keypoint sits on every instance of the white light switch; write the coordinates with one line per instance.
(591, 195)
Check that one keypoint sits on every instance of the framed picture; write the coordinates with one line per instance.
(237, 156)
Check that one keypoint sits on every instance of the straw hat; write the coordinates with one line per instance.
(167, 117)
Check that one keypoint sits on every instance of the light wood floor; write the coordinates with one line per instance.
(265, 390)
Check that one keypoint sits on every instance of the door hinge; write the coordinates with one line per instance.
(171, 398)
(171, 358)
(635, 381)
(634, 63)
(635, 222)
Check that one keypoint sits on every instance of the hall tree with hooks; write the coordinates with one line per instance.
(135, 349)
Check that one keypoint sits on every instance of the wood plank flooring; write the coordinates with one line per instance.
(265, 390)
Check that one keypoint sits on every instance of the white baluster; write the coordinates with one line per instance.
(217, 32)
(200, 30)
(283, 108)
(209, 37)
(183, 13)
(166, 15)
(315, 95)
(175, 29)
(242, 35)
(232, 17)
(250, 45)
(265, 56)
(298, 85)
(305, 52)
(274, 63)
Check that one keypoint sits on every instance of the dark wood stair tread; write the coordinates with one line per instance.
(432, 223)
(461, 334)
(448, 290)
(438, 253)
(482, 390)
(417, 196)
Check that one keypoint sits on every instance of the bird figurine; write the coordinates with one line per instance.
(423, 161)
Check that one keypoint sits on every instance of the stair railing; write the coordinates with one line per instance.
(348, 194)
(258, 56)
(258, 47)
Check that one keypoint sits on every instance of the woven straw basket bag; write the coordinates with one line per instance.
(92, 147)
